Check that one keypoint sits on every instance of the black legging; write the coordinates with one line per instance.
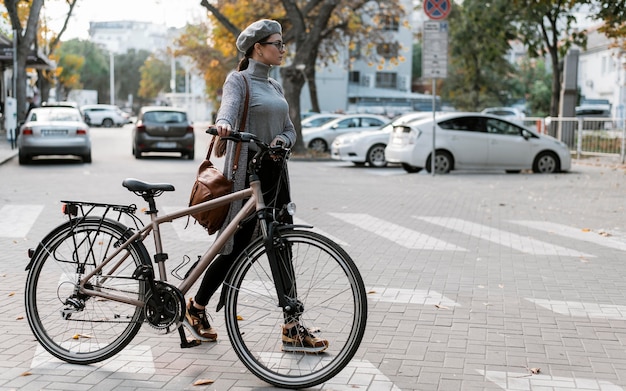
(275, 187)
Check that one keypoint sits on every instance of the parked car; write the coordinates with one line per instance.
(320, 138)
(475, 141)
(511, 113)
(369, 146)
(105, 115)
(55, 130)
(595, 116)
(163, 129)
(318, 119)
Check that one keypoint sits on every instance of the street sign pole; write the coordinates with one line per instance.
(435, 54)
(435, 65)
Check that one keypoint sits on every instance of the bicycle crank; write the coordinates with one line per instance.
(165, 307)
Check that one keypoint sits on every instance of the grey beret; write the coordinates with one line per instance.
(255, 32)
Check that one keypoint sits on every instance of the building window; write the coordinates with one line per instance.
(390, 22)
(386, 80)
(387, 50)
(354, 77)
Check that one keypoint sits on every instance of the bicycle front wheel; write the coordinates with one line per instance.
(70, 325)
(331, 291)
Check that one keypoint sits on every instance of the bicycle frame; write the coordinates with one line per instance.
(255, 202)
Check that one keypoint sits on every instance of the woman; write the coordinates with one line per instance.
(268, 118)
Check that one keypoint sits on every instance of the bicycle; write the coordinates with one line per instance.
(92, 284)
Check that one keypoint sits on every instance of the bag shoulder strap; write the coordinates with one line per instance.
(244, 118)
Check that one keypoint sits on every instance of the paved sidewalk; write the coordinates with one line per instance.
(6, 152)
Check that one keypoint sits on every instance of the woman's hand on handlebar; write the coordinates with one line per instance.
(223, 129)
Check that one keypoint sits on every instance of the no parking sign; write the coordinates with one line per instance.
(437, 9)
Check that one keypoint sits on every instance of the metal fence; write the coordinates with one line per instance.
(590, 136)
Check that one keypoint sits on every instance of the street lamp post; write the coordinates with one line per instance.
(112, 77)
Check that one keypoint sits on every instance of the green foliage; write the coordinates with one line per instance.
(94, 73)
(155, 78)
(127, 73)
(478, 72)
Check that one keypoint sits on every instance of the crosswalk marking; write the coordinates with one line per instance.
(525, 381)
(520, 243)
(335, 239)
(16, 220)
(358, 374)
(581, 309)
(410, 296)
(574, 233)
(402, 236)
(132, 359)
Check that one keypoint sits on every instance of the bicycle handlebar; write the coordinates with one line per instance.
(249, 137)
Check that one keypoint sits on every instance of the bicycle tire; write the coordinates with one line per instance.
(332, 291)
(103, 327)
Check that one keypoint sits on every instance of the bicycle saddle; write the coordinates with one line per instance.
(136, 185)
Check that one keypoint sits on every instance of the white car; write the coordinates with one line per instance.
(318, 119)
(475, 141)
(369, 146)
(105, 115)
(320, 138)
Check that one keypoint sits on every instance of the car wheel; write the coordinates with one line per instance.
(23, 158)
(87, 158)
(136, 153)
(318, 145)
(190, 155)
(107, 123)
(411, 169)
(443, 163)
(546, 163)
(376, 156)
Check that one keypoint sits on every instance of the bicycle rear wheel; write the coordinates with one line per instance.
(330, 288)
(72, 326)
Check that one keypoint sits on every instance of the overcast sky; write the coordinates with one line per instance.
(172, 13)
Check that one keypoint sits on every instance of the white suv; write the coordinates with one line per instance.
(105, 115)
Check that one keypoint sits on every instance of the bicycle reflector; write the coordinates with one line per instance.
(70, 209)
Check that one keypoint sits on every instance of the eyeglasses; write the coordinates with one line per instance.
(280, 45)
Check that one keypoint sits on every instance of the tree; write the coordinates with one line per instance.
(25, 37)
(548, 27)
(94, 71)
(45, 77)
(479, 75)
(155, 78)
(315, 30)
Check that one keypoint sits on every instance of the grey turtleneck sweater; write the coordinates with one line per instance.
(268, 111)
(268, 117)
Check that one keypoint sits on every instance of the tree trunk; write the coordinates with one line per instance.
(293, 81)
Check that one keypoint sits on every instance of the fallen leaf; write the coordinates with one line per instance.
(26, 374)
(370, 292)
(78, 336)
(11, 294)
(203, 382)
(239, 317)
(586, 230)
(534, 371)
(443, 307)
(19, 318)
(605, 234)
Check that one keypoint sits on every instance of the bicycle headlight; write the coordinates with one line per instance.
(291, 208)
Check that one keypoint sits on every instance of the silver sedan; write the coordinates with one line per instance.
(54, 131)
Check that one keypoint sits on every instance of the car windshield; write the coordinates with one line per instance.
(169, 117)
(55, 115)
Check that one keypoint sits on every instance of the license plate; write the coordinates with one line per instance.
(54, 132)
(166, 145)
